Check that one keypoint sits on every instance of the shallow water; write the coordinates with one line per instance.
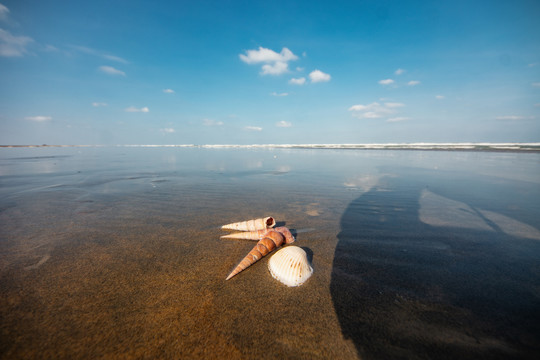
(115, 252)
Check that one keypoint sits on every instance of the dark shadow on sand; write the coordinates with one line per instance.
(404, 289)
(309, 253)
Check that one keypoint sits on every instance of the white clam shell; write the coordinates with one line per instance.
(290, 266)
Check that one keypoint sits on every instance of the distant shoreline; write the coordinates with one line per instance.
(508, 147)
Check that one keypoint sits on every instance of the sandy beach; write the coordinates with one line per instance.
(115, 253)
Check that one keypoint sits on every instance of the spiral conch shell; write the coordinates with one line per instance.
(271, 240)
(252, 225)
(258, 234)
(290, 266)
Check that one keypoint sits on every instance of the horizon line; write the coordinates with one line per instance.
(518, 146)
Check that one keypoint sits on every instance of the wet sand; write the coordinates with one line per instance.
(116, 254)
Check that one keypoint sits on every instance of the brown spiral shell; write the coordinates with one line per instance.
(271, 240)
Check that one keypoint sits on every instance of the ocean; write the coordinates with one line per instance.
(418, 252)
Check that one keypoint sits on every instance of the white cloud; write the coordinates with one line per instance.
(283, 124)
(4, 11)
(393, 104)
(439, 97)
(396, 119)
(38, 118)
(111, 71)
(373, 110)
(299, 69)
(510, 117)
(361, 107)
(274, 63)
(168, 130)
(277, 68)
(267, 56)
(413, 82)
(210, 122)
(253, 128)
(536, 84)
(134, 109)
(399, 71)
(279, 94)
(168, 91)
(319, 76)
(99, 104)
(13, 46)
(299, 81)
(386, 82)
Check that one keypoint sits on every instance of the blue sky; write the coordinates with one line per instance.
(243, 72)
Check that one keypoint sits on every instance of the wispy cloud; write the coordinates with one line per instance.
(13, 46)
(393, 104)
(210, 122)
(279, 94)
(283, 124)
(111, 71)
(413, 83)
(134, 109)
(299, 81)
(397, 119)
(4, 11)
(99, 53)
(274, 63)
(253, 128)
(374, 110)
(39, 118)
(168, 91)
(99, 104)
(513, 117)
(318, 76)
(167, 130)
(399, 71)
(536, 84)
(50, 48)
(386, 82)
(114, 58)
(439, 97)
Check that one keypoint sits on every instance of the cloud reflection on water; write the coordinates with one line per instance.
(437, 210)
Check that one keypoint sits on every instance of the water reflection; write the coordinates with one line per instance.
(437, 210)
(363, 183)
(420, 274)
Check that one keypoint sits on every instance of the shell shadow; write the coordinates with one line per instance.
(309, 254)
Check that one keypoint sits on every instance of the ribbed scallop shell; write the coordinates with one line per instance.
(290, 266)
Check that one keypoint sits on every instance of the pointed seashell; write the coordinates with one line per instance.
(248, 235)
(272, 239)
(251, 225)
(290, 266)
